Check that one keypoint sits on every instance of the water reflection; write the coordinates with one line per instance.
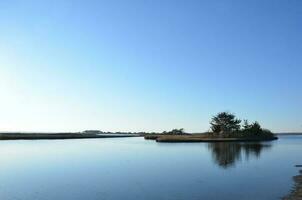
(226, 154)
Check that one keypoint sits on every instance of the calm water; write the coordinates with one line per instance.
(132, 168)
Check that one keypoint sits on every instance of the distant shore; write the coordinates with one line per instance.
(50, 136)
(293, 133)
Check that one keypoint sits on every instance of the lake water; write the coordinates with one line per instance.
(134, 168)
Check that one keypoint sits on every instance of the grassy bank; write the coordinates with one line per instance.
(207, 137)
(49, 136)
(152, 136)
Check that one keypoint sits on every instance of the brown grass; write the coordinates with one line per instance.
(207, 138)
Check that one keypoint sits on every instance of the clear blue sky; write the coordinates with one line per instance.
(149, 65)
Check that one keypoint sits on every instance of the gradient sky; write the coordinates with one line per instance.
(149, 65)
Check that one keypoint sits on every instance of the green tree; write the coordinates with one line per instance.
(253, 129)
(256, 128)
(246, 124)
(225, 122)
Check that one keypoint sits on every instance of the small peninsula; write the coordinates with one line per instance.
(225, 127)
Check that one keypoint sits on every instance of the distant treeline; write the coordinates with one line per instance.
(108, 132)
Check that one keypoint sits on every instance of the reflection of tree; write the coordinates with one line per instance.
(225, 154)
(254, 149)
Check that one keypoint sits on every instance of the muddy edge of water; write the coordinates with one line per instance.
(296, 192)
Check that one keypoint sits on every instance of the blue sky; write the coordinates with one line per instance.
(149, 65)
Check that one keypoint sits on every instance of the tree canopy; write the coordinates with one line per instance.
(225, 122)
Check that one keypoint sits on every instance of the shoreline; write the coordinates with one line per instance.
(199, 138)
(296, 192)
(190, 140)
(59, 136)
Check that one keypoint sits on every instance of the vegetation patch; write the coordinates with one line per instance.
(51, 136)
(225, 127)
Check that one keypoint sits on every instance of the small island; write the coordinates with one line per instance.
(225, 127)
